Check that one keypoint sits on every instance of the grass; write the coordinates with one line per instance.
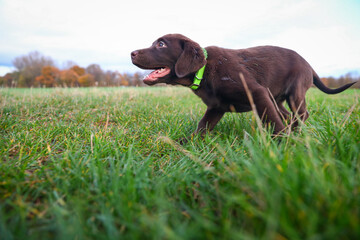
(103, 163)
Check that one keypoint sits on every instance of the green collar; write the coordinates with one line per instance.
(199, 74)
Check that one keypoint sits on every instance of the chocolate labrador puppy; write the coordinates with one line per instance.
(271, 74)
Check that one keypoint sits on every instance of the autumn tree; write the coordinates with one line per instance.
(7, 80)
(331, 82)
(78, 70)
(325, 81)
(49, 76)
(86, 80)
(124, 79)
(69, 78)
(30, 66)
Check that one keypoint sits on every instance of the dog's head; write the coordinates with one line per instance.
(172, 57)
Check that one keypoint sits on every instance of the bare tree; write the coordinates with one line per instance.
(29, 67)
(98, 74)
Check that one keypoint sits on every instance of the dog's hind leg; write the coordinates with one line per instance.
(297, 105)
(267, 111)
(284, 113)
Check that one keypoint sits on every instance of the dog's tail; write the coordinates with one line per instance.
(319, 84)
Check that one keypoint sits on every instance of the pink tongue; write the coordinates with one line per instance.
(158, 73)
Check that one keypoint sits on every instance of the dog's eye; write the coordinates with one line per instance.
(161, 44)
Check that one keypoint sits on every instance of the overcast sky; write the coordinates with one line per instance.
(325, 32)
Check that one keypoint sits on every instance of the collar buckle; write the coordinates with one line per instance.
(194, 86)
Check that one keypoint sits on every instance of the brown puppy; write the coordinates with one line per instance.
(272, 74)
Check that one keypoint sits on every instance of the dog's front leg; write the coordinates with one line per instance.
(210, 119)
(207, 123)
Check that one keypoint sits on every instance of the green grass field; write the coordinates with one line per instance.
(103, 163)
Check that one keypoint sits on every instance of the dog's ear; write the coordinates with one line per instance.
(191, 59)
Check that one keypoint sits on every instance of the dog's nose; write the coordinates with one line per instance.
(134, 54)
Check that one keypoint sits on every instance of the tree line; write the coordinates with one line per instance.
(36, 70)
(350, 77)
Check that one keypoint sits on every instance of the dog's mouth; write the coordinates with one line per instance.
(152, 77)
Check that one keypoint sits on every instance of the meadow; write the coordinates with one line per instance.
(104, 163)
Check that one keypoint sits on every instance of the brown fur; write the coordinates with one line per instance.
(272, 74)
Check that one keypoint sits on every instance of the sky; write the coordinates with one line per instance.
(325, 32)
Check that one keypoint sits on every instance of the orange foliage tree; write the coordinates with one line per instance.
(49, 76)
(86, 80)
(124, 79)
(78, 70)
(69, 78)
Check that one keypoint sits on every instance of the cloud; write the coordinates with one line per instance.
(106, 31)
(4, 70)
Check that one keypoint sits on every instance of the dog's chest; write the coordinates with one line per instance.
(209, 98)
(217, 101)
